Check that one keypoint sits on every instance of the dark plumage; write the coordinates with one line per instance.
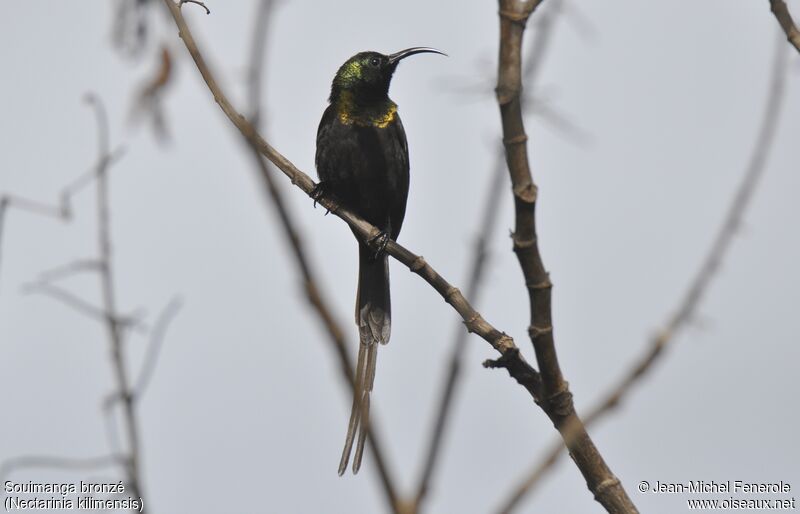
(362, 161)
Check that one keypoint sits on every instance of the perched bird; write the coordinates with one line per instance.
(362, 161)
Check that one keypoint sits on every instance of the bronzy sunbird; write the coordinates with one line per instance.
(362, 162)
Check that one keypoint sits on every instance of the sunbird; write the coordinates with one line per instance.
(362, 161)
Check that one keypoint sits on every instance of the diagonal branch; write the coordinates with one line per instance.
(687, 308)
(66, 270)
(781, 12)
(510, 359)
(57, 462)
(157, 337)
(556, 399)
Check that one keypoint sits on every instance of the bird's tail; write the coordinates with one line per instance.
(374, 320)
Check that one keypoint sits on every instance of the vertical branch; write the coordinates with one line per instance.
(709, 267)
(112, 321)
(556, 398)
(480, 257)
(313, 294)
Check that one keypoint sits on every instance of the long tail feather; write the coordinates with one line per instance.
(373, 317)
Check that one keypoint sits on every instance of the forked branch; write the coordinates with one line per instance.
(556, 399)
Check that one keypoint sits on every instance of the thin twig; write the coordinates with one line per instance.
(113, 327)
(310, 284)
(708, 270)
(781, 12)
(556, 398)
(67, 270)
(129, 322)
(61, 210)
(55, 462)
(154, 348)
(62, 295)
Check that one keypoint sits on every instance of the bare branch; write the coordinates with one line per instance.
(687, 308)
(55, 462)
(556, 399)
(154, 348)
(66, 298)
(60, 211)
(781, 12)
(113, 327)
(69, 269)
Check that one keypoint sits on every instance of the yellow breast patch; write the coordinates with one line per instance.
(347, 115)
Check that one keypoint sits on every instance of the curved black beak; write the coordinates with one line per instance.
(402, 54)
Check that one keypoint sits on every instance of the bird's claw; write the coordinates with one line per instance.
(378, 243)
(319, 191)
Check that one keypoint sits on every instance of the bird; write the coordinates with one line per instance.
(362, 162)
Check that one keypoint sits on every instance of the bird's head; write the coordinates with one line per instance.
(367, 75)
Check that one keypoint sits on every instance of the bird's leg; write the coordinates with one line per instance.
(320, 191)
(378, 243)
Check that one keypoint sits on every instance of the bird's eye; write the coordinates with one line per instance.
(375, 62)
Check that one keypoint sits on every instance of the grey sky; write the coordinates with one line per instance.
(246, 411)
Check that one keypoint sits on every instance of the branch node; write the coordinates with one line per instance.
(506, 94)
(504, 361)
(526, 192)
(448, 296)
(418, 264)
(520, 18)
(472, 322)
(544, 284)
(516, 366)
(504, 344)
(560, 402)
(516, 140)
(603, 487)
(521, 244)
(536, 332)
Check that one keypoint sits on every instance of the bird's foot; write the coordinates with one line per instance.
(378, 243)
(320, 191)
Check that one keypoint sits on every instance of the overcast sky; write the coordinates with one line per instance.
(246, 411)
